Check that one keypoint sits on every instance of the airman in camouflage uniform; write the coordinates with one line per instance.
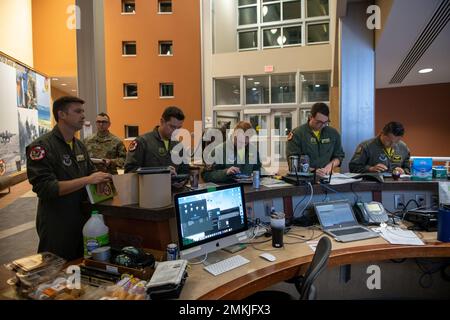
(106, 146)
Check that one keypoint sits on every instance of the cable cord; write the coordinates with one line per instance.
(200, 262)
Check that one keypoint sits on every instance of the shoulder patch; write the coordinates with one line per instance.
(133, 146)
(2, 167)
(37, 153)
(359, 149)
(290, 136)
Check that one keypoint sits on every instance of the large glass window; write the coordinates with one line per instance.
(257, 90)
(283, 88)
(315, 86)
(247, 12)
(292, 10)
(248, 39)
(227, 119)
(272, 38)
(318, 32)
(271, 11)
(293, 35)
(317, 8)
(227, 91)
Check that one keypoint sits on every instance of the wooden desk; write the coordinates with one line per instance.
(293, 259)
(155, 228)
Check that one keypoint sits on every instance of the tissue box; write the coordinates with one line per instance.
(421, 169)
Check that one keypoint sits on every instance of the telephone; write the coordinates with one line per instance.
(371, 212)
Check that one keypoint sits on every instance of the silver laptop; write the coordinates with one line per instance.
(338, 220)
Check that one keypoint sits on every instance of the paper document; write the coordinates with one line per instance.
(341, 178)
(396, 235)
(270, 183)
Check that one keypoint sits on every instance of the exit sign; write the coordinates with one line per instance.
(268, 68)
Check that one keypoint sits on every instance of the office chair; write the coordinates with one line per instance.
(304, 283)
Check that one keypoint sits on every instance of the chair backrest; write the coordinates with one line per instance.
(318, 264)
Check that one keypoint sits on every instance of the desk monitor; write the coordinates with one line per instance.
(210, 219)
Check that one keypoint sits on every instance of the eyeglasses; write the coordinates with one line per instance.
(102, 121)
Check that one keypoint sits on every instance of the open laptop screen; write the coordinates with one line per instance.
(334, 213)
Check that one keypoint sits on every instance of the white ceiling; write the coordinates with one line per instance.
(406, 21)
(71, 84)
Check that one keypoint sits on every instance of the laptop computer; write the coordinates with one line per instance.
(338, 220)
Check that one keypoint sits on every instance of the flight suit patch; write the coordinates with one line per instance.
(290, 136)
(327, 140)
(313, 141)
(2, 167)
(397, 157)
(382, 157)
(359, 150)
(80, 157)
(37, 153)
(162, 151)
(133, 146)
(66, 160)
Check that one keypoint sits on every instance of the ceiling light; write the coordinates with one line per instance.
(265, 10)
(274, 31)
(64, 84)
(281, 40)
(55, 79)
(426, 70)
(250, 79)
(73, 90)
(254, 89)
(257, 83)
(317, 85)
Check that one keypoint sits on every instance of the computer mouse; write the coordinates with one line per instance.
(267, 256)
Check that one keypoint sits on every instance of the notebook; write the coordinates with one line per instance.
(338, 220)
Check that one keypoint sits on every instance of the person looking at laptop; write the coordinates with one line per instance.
(318, 140)
(236, 155)
(384, 153)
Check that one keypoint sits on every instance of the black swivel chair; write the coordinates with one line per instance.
(304, 283)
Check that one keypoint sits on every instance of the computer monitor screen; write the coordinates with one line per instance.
(210, 219)
(334, 213)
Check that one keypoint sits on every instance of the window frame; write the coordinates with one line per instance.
(159, 48)
(127, 136)
(161, 85)
(165, 12)
(125, 96)
(316, 23)
(124, 43)
(124, 2)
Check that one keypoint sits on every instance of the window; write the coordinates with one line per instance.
(128, 6)
(318, 32)
(165, 48)
(264, 24)
(281, 37)
(317, 8)
(283, 88)
(130, 90)
(227, 119)
(247, 12)
(227, 91)
(257, 90)
(131, 131)
(248, 39)
(166, 90)
(315, 86)
(129, 48)
(271, 11)
(165, 6)
(292, 10)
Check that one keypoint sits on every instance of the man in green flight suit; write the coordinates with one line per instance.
(236, 156)
(384, 153)
(319, 141)
(154, 148)
(59, 168)
(108, 150)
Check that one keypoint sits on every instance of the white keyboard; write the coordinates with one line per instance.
(226, 265)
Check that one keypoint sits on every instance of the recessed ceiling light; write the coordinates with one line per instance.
(73, 90)
(250, 79)
(426, 70)
(55, 79)
(317, 86)
(64, 84)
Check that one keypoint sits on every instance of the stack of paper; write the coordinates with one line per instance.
(270, 183)
(399, 236)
